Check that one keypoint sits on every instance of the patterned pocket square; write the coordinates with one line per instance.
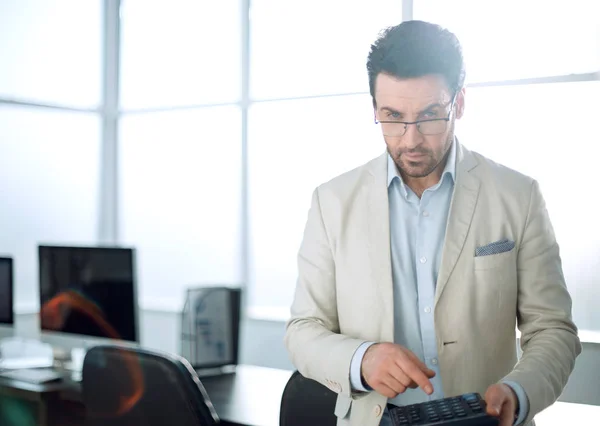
(496, 247)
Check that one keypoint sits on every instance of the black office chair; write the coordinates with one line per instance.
(136, 387)
(306, 402)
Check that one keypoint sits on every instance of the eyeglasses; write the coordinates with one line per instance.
(428, 127)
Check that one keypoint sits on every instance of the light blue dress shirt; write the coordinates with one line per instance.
(417, 228)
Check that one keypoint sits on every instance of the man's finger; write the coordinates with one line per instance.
(386, 391)
(429, 372)
(394, 385)
(397, 374)
(415, 374)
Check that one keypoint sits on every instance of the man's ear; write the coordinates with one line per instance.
(460, 103)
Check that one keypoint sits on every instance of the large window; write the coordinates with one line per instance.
(51, 51)
(48, 187)
(196, 131)
(180, 52)
(50, 131)
(180, 200)
(512, 39)
(314, 47)
(180, 155)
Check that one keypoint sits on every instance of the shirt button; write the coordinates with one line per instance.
(434, 361)
(427, 309)
(425, 213)
(423, 259)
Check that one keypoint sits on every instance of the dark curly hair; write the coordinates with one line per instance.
(415, 49)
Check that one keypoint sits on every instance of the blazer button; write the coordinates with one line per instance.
(377, 410)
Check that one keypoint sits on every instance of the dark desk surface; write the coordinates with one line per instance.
(250, 396)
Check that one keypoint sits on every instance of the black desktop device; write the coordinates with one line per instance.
(6, 291)
(464, 410)
(88, 291)
(210, 328)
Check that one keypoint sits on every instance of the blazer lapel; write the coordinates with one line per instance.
(378, 221)
(462, 207)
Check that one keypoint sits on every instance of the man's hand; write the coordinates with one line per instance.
(390, 369)
(502, 402)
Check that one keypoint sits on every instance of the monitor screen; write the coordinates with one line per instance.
(88, 291)
(6, 291)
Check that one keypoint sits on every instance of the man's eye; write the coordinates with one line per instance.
(394, 115)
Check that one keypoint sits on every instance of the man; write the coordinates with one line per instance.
(415, 267)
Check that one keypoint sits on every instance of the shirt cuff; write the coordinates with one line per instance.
(355, 378)
(523, 401)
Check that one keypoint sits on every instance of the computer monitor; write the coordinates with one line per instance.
(88, 293)
(6, 298)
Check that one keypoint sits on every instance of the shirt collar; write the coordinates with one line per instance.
(449, 169)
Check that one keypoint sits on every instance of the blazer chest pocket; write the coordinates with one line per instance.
(495, 255)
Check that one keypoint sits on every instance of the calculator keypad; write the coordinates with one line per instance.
(464, 410)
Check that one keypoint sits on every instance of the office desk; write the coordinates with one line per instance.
(249, 397)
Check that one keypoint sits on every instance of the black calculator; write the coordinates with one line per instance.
(463, 410)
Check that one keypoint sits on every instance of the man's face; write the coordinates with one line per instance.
(407, 100)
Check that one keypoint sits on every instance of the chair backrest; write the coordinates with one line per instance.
(135, 387)
(307, 402)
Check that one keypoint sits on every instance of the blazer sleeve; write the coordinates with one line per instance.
(312, 337)
(548, 335)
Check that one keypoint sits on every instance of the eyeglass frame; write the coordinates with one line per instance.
(416, 123)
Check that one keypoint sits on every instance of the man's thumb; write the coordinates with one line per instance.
(494, 399)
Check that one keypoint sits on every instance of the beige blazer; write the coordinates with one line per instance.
(344, 291)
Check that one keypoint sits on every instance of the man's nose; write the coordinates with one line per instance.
(412, 137)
